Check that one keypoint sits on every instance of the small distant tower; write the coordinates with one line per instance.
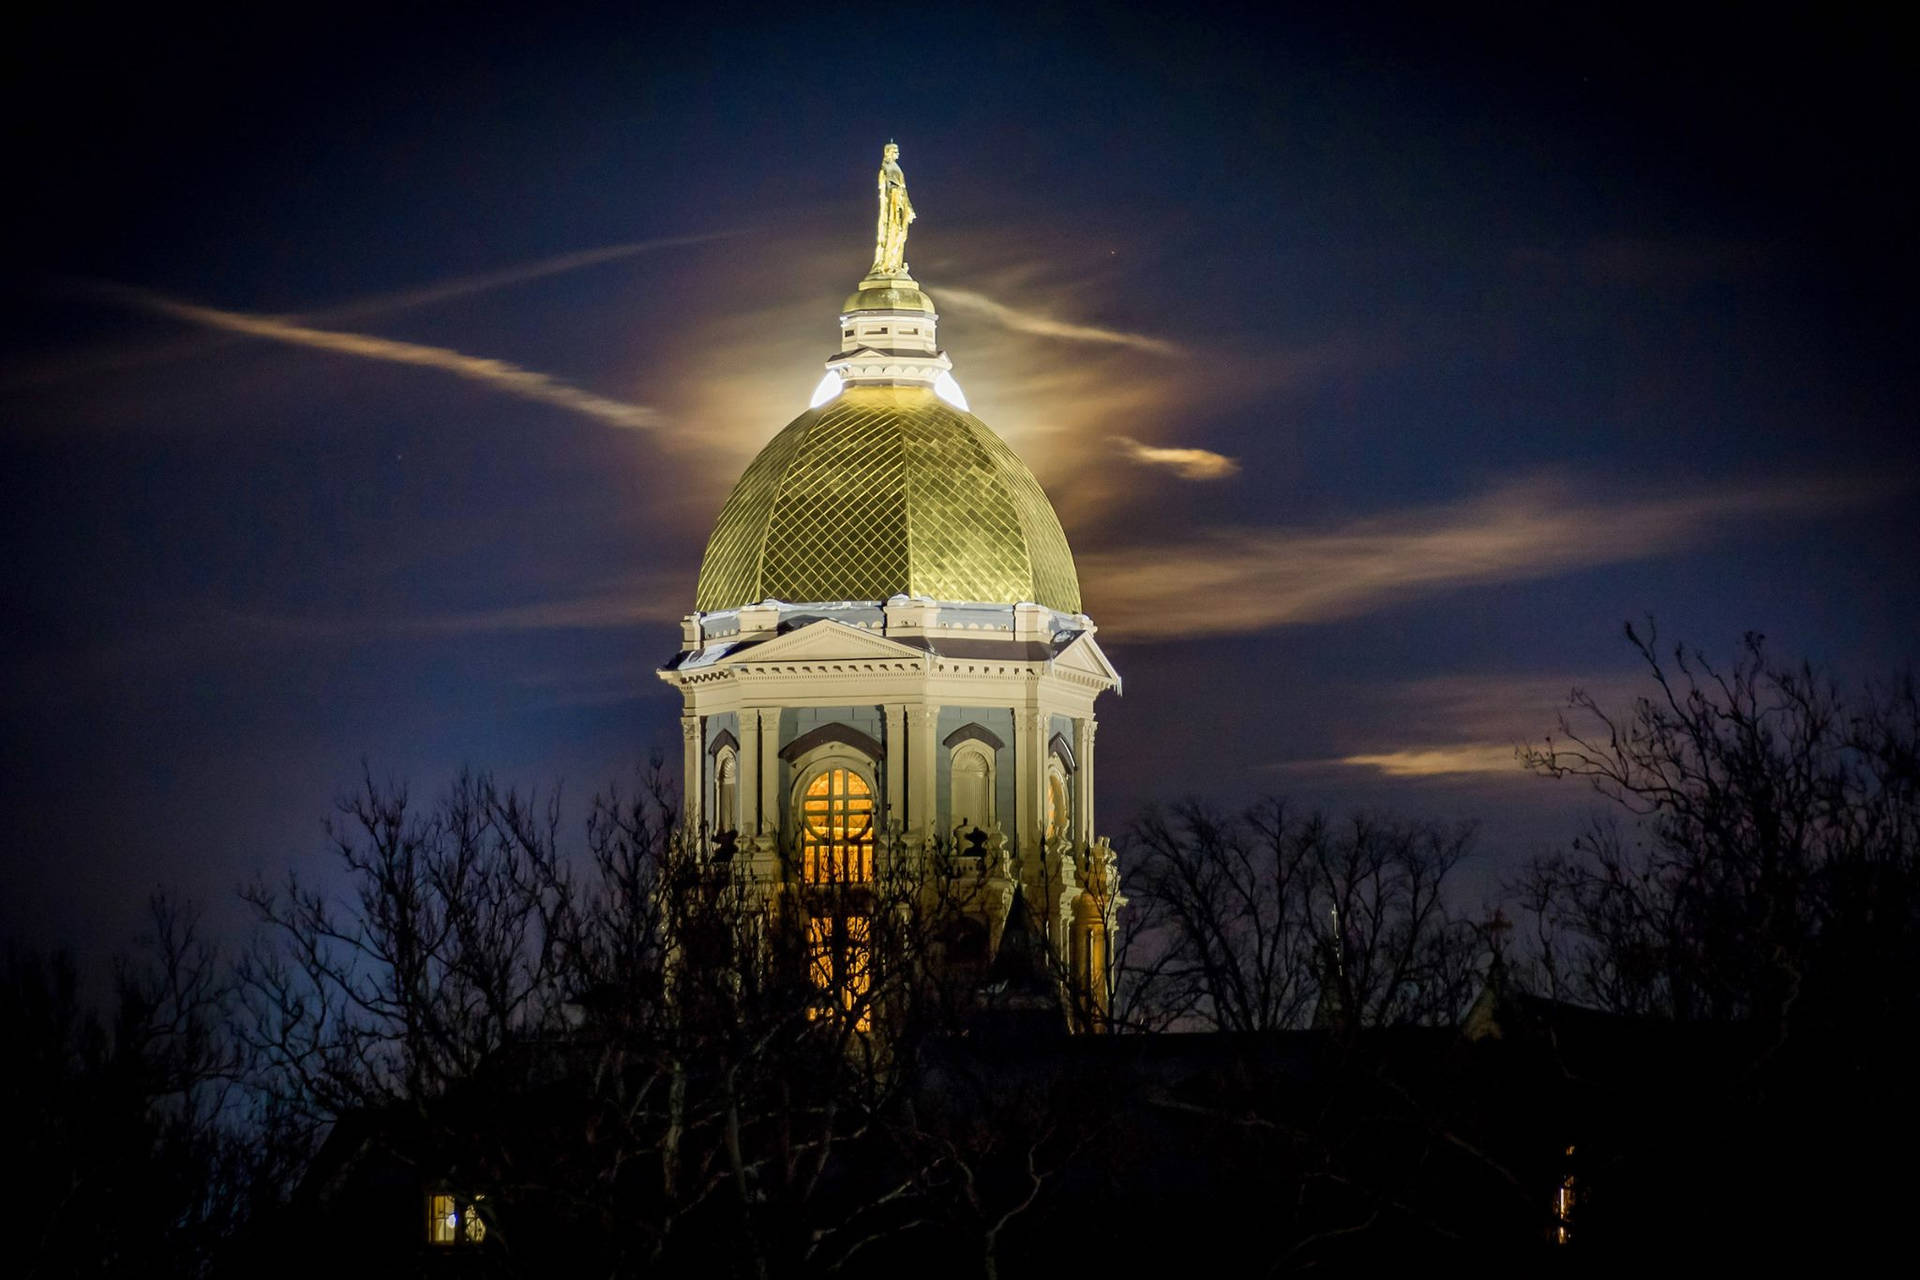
(888, 654)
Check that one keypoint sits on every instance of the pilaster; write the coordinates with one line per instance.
(896, 783)
(922, 821)
(1083, 730)
(1030, 760)
(770, 771)
(694, 776)
(749, 766)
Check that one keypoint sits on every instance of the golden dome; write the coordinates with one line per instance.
(885, 491)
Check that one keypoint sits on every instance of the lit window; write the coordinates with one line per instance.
(836, 852)
(1563, 1201)
(840, 964)
(836, 829)
(452, 1220)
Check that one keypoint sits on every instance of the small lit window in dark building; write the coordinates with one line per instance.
(1563, 1201)
(454, 1220)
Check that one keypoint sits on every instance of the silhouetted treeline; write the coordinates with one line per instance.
(1688, 1027)
(137, 1146)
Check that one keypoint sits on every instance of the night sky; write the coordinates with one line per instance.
(371, 385)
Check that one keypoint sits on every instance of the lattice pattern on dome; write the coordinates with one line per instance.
(1054, 577)
(839, 523)
(881, 491)
(730, 571)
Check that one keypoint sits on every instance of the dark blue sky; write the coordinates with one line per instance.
(1408, 354)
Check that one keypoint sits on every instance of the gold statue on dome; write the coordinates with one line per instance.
(896, 211)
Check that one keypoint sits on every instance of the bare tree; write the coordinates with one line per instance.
(1261, 922)
(1753, 902)
(1766, 844)
(449, 945)
(138, 1150)
(676, 1063)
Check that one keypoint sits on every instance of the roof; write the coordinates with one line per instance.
(898, 294)
(885, 491)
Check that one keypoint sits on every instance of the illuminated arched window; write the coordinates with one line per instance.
(836, 829)
(971, 794)
(836, 853)
(726, 791)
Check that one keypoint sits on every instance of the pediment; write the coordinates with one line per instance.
(823, 641)
(1085, 656)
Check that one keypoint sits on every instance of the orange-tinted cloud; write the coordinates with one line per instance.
(1238, 580)
(1023, 320)
(480, 282)
(1187, 463)
(501, 375)
(1440, 761)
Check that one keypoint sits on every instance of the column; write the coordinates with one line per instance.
(1083, 777)
(1030, 759)
(749, 765)
(896, 783)
(921, 761)
(770, 770)
(693, 778)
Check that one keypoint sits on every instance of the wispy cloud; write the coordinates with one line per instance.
(501, 375)
(480, 282)
(1255, 579)
(612, 608)
(1187, 463)
(121, 358)
(1439, 761)
(1045, 326)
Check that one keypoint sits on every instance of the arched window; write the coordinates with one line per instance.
(836, 862)
(726, 791)
(971, 793)
(836, 829)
